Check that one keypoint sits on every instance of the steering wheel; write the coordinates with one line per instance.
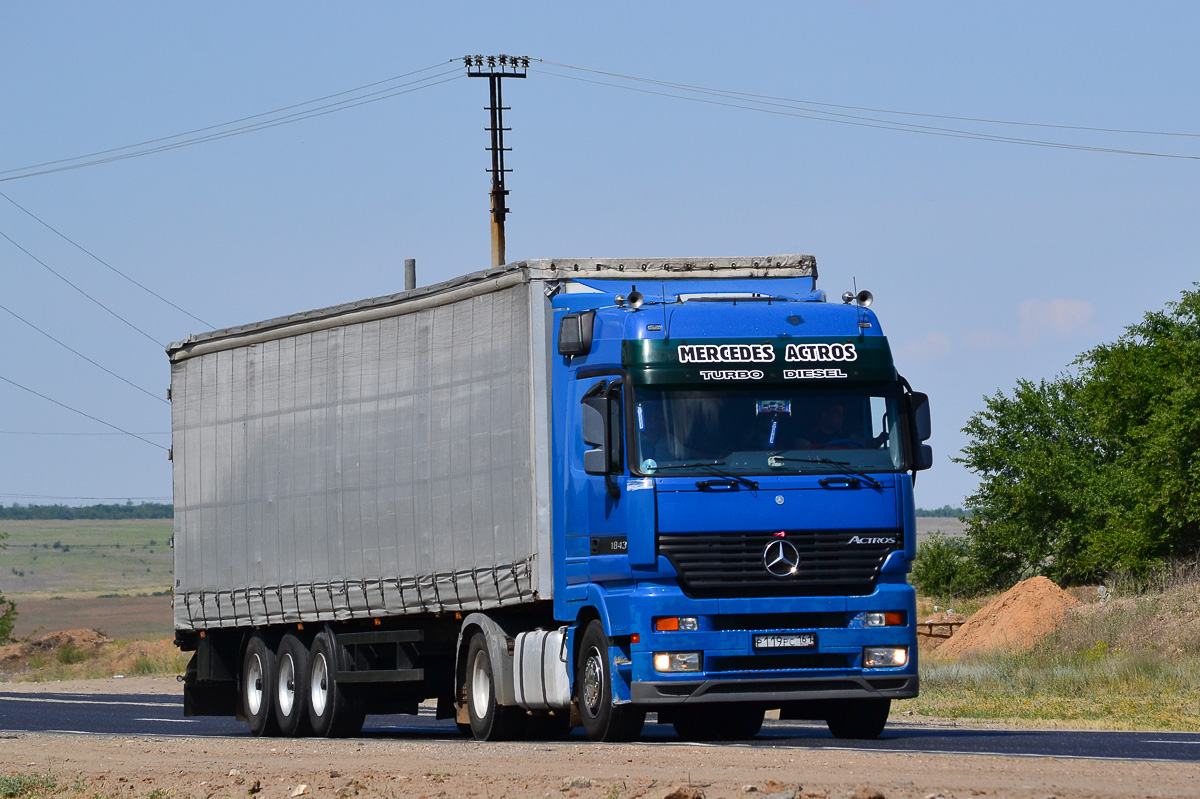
(843, 443)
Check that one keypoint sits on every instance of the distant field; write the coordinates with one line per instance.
(117, 617)
(47, 558)
(928, 525)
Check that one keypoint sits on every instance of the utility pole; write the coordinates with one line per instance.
(496, 68)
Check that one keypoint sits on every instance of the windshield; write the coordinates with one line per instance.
(766, 430)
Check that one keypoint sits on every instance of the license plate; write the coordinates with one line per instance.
(786, 641)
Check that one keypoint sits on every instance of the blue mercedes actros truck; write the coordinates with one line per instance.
(558, 493)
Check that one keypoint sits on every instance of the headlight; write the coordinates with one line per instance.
(884, 657)
(676, 661)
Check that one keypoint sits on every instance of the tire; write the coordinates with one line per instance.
(291, 687)
(258, 687)
(332, 712)
(489, 721)
(860, 719)
(718, 723)
(602, 720)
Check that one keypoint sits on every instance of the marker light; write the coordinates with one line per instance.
(884, 657)
(676, 661)
(673, 623)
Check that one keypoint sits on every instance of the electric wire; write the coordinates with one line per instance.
(52, 433)
(779, 109)
(312, 113)
(20, 318)
(81, 291)
(100, 260)
(110, 499)
(81, 413)
(731, 92)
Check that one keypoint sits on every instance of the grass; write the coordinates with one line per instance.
(58, 556)
(132, 658)
(1130, 663)
(15, 786)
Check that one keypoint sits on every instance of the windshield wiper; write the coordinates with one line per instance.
(712, 467)
(842, 466)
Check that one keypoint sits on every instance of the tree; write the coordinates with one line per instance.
(1096, 471)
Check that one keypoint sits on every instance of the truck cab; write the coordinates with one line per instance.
(733, 516)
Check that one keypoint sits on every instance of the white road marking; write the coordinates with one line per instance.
(11, 698)
(175, 721)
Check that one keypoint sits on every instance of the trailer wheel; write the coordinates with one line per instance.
(331, 711)
(718, 722)
(489, 721)
(602, 720)
(860, 718)
(291, 687)
(258, 687)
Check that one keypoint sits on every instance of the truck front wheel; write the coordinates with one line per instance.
(489, 720)
(291, 686)
(331, 712)
(602, 720)
(860, 718)
(258, 687)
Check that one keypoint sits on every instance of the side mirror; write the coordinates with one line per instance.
(595, 432)
(575, 333)
(920, 414)
(924, 458)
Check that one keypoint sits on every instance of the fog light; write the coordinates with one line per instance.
(890, 618)
(676, 661)
(673, 623)
(884, 657)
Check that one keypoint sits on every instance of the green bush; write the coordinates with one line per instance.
(943, 569)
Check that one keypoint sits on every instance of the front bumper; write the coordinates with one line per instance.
(774, 691)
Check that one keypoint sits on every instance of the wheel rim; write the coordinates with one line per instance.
(254, 685)
(593, 681)
(481, 684)
(287, 685)
(319, 692)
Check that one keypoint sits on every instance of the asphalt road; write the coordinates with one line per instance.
(158, 715)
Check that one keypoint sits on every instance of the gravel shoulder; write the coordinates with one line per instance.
(111, 766)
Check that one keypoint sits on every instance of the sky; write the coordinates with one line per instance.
(990, 261)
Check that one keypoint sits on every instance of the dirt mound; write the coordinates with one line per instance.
(1015, 620)
(78, 644)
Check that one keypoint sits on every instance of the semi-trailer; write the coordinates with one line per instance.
(555, 493)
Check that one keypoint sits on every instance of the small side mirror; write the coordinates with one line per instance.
(924, 458)
(575, 333)
(595, 461)
(920, 411)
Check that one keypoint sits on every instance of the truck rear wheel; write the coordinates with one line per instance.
(602, 720)
(258, 687)
(331, 711)
(718, 722)
(291, 687)
(860, 718)
(489, 720)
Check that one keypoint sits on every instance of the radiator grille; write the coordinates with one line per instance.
(714, 565)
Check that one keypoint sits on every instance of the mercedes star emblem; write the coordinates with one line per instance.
(781, 558)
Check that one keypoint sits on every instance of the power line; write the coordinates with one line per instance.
(20, 318)
(740, 102)
(331, 108)
(1052, 125)
(102, 261)
(101, 499)
(81, 413)
(81, 291)
(51, 433)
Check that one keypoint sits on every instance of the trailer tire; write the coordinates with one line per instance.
(489, 720)
(332, 711)
(602, 720)
(718, 722)
(291, 687)
(860, 719)
(258, 687)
